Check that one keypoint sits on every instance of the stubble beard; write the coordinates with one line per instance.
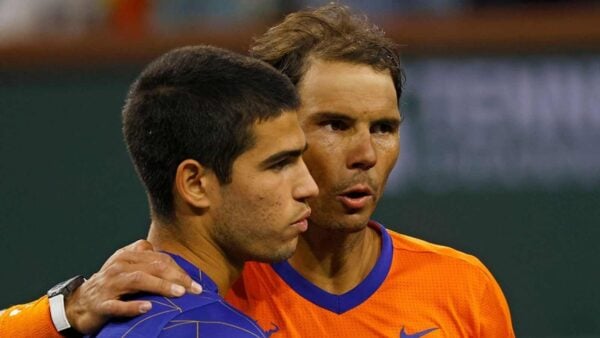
(242, 247)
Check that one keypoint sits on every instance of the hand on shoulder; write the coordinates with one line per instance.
(131, 269)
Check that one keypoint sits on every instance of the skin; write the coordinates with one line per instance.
(351, 121)
(134, 268)
(267, 175)
(257, 216)
(356, 147)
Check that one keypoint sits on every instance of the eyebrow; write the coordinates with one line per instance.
(395, 122)
(278, 156)
(331, 115)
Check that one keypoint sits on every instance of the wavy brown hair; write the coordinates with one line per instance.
(331, 33)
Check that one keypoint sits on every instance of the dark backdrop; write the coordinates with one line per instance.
(69, 197)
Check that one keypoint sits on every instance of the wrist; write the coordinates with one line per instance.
(58, 297)
(71, 310)
(58, 314)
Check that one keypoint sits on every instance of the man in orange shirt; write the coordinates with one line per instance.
(350, 277)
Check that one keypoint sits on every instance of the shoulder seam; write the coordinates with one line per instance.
(469, 259)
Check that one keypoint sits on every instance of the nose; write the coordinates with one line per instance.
(306, 186)
(362, 153)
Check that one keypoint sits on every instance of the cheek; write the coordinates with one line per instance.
(263, 202)
(254, 217)
(322, 157)
(318, 166)
(387, 161)
(389, 150)
(265, 218)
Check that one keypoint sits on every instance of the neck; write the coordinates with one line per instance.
(195, 246)
(334, 260)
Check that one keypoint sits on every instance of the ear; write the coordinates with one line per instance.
(194, 183)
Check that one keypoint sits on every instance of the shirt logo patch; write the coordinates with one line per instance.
(403, 334)
(274, 329)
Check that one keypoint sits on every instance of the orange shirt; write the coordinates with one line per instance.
(416, 289)
(28, 320)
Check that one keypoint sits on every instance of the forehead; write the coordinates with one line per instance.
(345, 87)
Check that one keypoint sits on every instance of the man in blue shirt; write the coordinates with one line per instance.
(215, 139)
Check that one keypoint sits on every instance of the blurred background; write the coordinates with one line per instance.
(500, 148)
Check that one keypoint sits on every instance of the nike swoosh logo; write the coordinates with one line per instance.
(416, 335)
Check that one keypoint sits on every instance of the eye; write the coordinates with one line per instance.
(282, 164)
(383, 128)
(335, 125)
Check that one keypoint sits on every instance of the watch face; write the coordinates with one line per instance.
(67, 287)
(55, 290)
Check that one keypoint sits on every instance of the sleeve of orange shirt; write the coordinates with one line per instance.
(28, 320)
(495, 319)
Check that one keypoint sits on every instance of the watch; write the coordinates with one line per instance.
(56, 298)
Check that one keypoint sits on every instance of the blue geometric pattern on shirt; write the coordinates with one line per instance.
(189, 316)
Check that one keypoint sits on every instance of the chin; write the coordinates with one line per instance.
(276, 254)
(356, 226)
(348, 223)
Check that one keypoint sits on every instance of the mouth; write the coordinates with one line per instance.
(302, 223)
(356, 197)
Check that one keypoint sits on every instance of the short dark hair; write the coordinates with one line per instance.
(200, 103)
(333, 33)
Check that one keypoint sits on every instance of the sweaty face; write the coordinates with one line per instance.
(351, 121)
(263, 210)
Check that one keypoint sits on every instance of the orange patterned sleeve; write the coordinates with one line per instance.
(495, 319)
(28, 320)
